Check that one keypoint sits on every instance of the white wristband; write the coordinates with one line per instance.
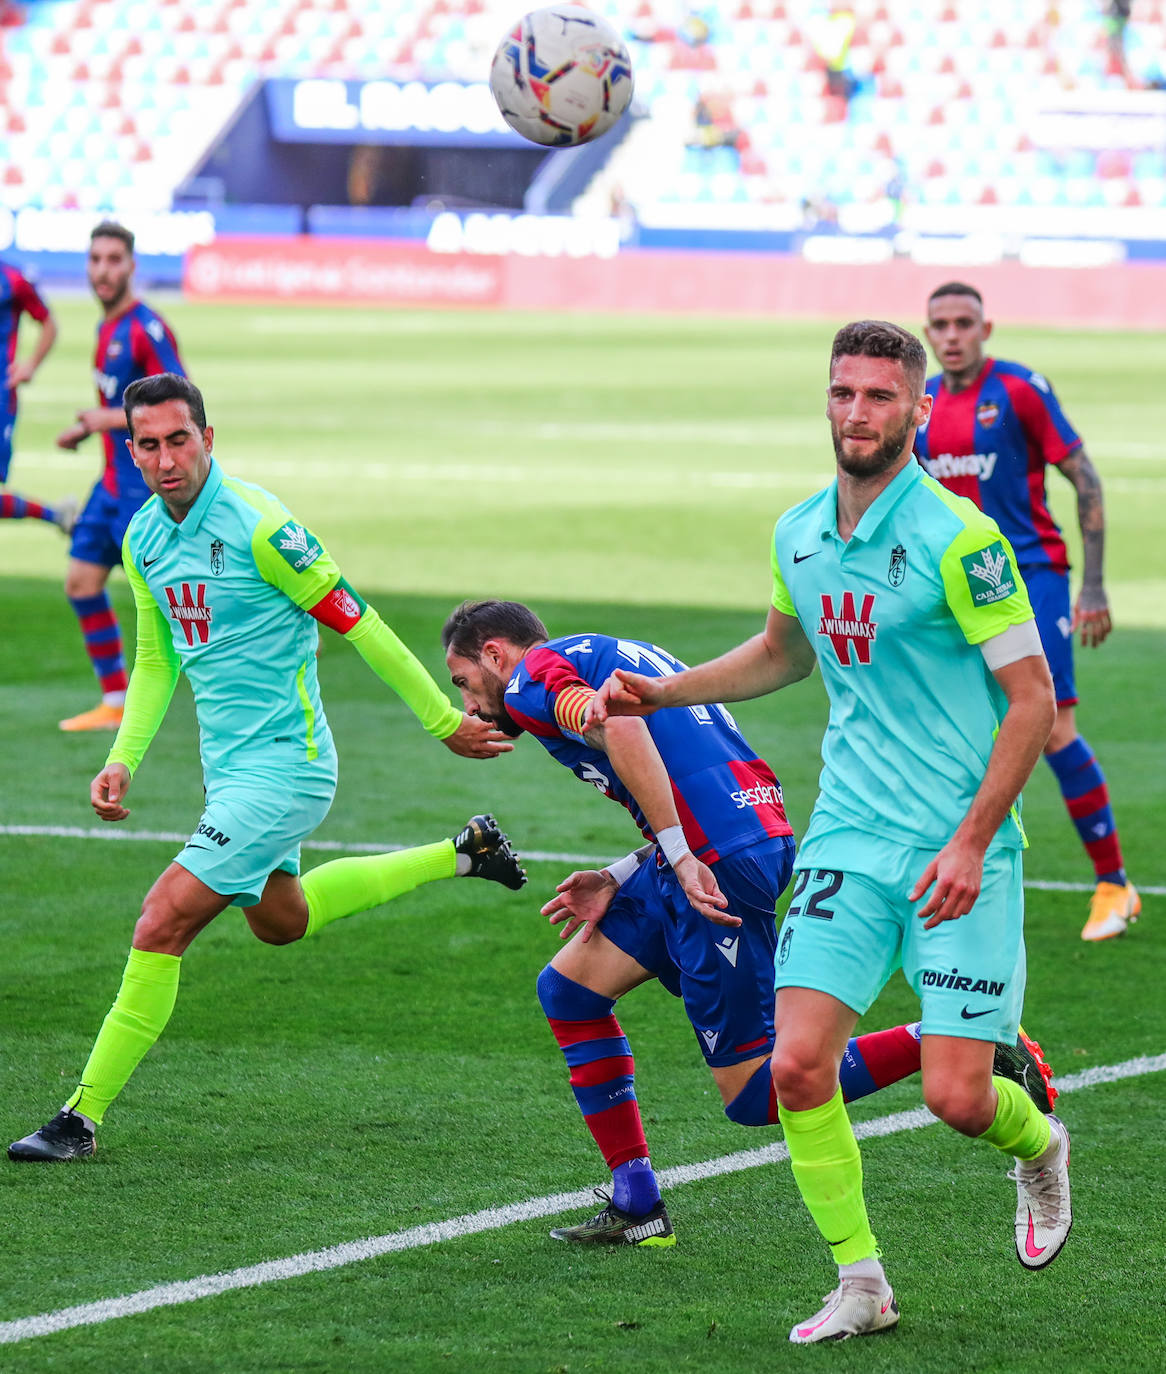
(622, 869)
(672, 844)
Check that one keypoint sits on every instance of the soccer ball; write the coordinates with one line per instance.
(561, 76)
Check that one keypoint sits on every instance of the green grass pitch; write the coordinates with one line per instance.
(621, 475)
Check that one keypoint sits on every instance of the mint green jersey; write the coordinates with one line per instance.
(895, 616)
(221, 596)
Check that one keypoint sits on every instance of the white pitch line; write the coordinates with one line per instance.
(78, 832)
(490, 1219)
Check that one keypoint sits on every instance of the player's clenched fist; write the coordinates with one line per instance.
(477, 739)
(625, 694)
(107, 790)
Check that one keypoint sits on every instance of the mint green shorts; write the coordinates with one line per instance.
(850, 926)
(256, 817)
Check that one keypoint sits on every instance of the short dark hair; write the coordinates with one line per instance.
(474, 622)
(110, 229)
(164, 386)
(956, 288)
(880, 339)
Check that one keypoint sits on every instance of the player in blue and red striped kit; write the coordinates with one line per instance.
(693, 908)
(133, 341)
(19, 297)
(995, 429)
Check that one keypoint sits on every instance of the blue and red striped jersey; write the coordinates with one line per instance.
(726, 797)
(993, 443)
(137, 343)
(18, 297)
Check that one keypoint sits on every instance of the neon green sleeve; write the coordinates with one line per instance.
(396, 665)
(290, 557)
(983, 585)
(153, 679)
(295, 561)
(782, 601)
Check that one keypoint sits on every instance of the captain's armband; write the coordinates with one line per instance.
(571, 707)
(340, 609)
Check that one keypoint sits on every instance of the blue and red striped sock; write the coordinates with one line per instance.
(1086, 797)
(869, 1062)
(102, 636)
(874, 1061)
(603, 1081)
(13, 507)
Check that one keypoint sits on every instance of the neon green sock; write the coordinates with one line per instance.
(137, 1018)
(1019, 1128)
(346, 886)
(827, 1168)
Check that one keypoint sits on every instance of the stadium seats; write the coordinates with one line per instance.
(937, 108)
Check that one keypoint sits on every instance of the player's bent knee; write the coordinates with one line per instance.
(562, 999)
(160, 929)
(800, 1080)
(964, 1107)
(756, 1103)
(271, 936)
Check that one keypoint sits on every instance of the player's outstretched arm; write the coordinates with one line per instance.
(95, 420)
(777, 656)
(344, 611)
(107, 792)
(1091, 609)
(581, 900)
(957, 870)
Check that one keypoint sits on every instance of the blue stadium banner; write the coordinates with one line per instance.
(430, 113)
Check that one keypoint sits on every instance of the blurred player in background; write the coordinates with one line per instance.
(133, 341)
(229, 589)
(19, 297)
(693, 908)
(995, 428)
(940, 698)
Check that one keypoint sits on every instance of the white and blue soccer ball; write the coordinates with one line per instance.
(561, 76)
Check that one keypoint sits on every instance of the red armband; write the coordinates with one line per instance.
(340, 609)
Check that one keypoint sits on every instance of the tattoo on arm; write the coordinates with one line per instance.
(1090, 512)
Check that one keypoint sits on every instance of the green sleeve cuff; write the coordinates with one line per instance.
(396, 666)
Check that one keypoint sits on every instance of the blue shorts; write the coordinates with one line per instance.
(724, 974)
(850, 926)
(1048, 590)
(255, 820)
(101, 527)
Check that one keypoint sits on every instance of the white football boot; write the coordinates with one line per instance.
(851, 1310)
(1044, 1210)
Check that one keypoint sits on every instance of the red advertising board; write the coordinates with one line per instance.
(385, 272)
(339, 271)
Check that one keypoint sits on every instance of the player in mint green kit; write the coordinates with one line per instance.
(909, 600)
(229, 588)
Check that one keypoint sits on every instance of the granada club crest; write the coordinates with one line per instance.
(987, 413)
(218, 560)
(897, 569)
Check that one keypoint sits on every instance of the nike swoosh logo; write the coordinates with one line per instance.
(801, 557)
(886, 1306)
(971, 1015)
(190, 845)
(1032, 1250)
(149, 562)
